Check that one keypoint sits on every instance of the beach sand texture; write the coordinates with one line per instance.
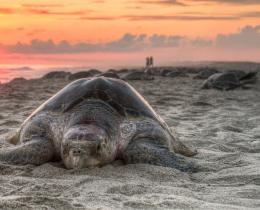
(223, 126)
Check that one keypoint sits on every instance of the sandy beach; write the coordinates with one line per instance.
(223, 125)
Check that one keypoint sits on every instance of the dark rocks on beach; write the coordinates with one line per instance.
(82, 74)
(111, 71)
(158, 71)
(57, 75)
(137, 75)
(190, 70)
(206, 73)
(176, 74)
(17, 80)
(169, 72)
(123, 71)
(94, 71)
(152, 71)
(110, 74)
(164, 72)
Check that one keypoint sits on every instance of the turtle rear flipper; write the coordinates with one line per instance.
(34, 152)
(145, 151)
(249, 78)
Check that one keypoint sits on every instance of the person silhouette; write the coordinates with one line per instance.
(147, 62)
(151, 61)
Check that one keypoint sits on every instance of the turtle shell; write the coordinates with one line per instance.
(115, 92)
(223, 81)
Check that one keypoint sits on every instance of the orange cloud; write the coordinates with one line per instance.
(41, 5)
(42, 10)
(237, 2)
(7, 11)
(105, 18)
(163, 2)
(178, 17)
(245, 39)
(36, 11)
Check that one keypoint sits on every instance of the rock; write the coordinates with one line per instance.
(111, 71)
(17, 80)
(153, 71)
(94, 71)
(109, 74)
(164, 72)
(56, 75)
(137, 75)
(123, 70)
(81, 74)
(176, 74)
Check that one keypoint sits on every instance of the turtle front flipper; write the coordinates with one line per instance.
(36, 152)
(147, 151)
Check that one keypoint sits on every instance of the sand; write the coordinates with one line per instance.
(223, 126)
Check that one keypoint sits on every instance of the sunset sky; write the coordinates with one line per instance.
(79, 32)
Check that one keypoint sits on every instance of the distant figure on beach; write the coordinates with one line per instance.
(149, 62)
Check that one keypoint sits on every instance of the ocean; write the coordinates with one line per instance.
(9, 72)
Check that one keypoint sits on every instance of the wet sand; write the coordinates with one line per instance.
(223, 126)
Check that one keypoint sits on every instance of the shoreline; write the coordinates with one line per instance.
(26, 71)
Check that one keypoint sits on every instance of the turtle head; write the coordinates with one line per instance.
(86, 146)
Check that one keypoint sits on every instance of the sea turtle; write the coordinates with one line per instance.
(93, 121)
(206, 73)
(222, 81)
(246, 77)
(230, 80)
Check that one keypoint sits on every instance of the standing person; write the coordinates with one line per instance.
(147, 62)
(151, 61)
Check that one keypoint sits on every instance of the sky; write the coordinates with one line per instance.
(121, 33)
